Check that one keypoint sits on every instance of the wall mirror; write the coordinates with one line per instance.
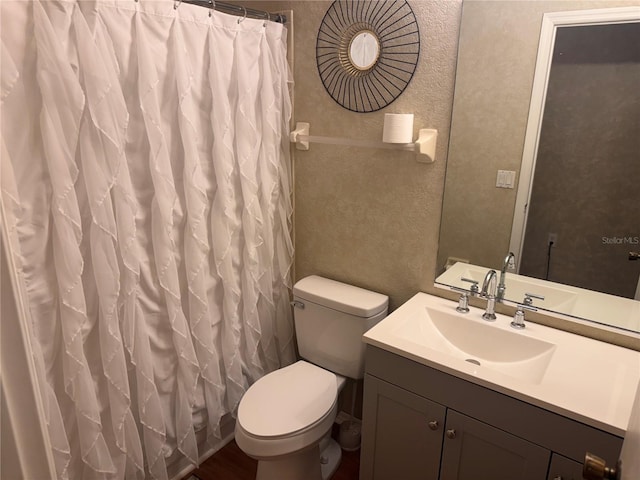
(367, 52)
(552, 96)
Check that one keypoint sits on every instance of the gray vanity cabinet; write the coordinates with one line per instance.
(422, 423)
(564, 469)
(407, 434)
(474, 450)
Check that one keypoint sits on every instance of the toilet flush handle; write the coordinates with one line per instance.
(297, 304)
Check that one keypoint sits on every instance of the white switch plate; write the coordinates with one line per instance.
(506, 179)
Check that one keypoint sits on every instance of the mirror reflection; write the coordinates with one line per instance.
(583, 216)
(579, 219)
(364, 50)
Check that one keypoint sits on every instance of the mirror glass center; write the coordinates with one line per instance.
(364, 50)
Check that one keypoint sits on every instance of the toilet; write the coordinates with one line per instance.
(284, 419)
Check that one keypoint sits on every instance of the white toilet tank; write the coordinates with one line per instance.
(330, 319)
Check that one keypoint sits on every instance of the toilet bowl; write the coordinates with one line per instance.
(287, 410)
(284, 419)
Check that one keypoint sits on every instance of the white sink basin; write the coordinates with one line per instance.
(480, 343)
(584, 379)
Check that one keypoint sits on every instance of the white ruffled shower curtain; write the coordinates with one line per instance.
(146, 195)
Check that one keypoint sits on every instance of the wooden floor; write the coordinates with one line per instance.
(231, 463)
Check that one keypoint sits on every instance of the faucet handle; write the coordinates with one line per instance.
(463, 301)
(518, 317)
(528, 298)
(474, 289)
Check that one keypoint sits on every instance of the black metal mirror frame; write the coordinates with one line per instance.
(396, 29)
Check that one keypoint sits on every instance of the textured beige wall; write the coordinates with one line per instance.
(496, 63)
(371, 217)
(364, 216)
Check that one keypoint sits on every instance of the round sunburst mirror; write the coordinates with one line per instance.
(367, 52)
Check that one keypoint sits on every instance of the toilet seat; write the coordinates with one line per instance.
(288, 401)
(271, 448)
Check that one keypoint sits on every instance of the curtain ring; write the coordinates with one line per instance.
(176, 4)
(245, 15)
(212, 7)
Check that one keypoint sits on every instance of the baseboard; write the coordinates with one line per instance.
(182, 467)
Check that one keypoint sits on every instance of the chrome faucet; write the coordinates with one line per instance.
(489, 292)
(509, 261)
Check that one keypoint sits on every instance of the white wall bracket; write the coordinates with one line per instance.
(424, 147)
(301, 130)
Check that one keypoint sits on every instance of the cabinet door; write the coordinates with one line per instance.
(474, 450)
(563, 468)
(401, 434)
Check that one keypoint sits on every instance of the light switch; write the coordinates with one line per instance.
(506, 179)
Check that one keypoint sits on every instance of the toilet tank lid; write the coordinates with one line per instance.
(340, 296)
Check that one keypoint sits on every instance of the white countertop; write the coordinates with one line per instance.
(586, 380)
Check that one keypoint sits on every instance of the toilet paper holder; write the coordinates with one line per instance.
(424, 147)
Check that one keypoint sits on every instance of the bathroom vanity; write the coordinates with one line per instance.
(451, 396)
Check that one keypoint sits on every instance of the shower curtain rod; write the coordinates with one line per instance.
(235, 10)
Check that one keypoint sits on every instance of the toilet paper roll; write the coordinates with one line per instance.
(398, 128)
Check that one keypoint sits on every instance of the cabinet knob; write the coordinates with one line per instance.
(595, 468)
(451, 433)
(433, 425)
(557, 477)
